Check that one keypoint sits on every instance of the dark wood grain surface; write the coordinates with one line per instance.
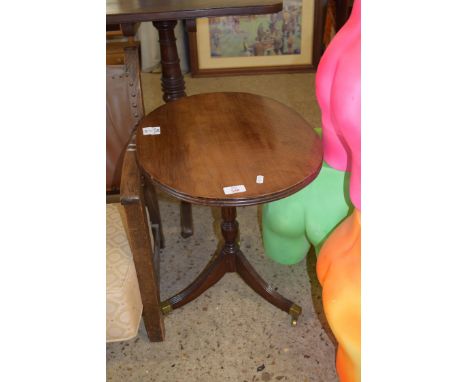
(216, 140)
(131, 11)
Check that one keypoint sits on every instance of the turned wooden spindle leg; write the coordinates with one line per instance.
(173, 87)
(172, 80)
(229, 230)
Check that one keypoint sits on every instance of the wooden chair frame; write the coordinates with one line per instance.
(136, 197)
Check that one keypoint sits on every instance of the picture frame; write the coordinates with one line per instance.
(290, 41)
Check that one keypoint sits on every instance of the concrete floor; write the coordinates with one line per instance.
(230, 333)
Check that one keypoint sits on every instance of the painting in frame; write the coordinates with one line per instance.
(257, 44)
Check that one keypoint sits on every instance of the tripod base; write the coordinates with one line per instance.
(231, 259)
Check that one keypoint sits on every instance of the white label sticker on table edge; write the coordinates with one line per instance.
(234, 189)
(151, 130)
(259, 178)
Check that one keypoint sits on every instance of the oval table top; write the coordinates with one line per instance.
(211, 148)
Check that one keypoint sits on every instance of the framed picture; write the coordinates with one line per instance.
(288, 41)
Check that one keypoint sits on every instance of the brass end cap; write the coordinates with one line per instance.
(166, 307)
(295, 311)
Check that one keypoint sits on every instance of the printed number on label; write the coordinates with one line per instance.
(234, 189)
(151, 130)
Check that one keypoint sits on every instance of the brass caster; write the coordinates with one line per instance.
(294, 312)
(166, 308)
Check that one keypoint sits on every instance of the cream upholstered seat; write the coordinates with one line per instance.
(124, 306)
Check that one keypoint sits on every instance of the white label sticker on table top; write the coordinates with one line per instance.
(151, 130)
(259, 178)
(234, 189)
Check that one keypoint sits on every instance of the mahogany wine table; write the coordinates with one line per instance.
(210, 149)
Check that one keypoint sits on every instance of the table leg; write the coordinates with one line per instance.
(172, 80)
(231, 259)
(173, 87)
(261, 287)
(212, 273)
(186, 220)
(230, 230)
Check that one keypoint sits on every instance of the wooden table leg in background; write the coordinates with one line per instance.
(172, 80)
(173, 86)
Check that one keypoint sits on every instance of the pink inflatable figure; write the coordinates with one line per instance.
(338, 88)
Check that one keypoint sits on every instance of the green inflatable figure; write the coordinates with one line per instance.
(291, 225)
